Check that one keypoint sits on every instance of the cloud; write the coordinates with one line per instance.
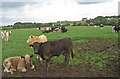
(54, 10)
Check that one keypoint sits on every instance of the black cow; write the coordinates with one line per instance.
(39, 28)
(47, 31)
(115, 28)
(63, 29)
(54, 48)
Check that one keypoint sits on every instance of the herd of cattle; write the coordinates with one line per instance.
(115, 28)
(51, 29)
(40, 44)
(5, 35)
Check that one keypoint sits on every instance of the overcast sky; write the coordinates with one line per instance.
(55, 10)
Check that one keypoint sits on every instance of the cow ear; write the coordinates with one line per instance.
(31, 56)
(22, 57)
(32, 36)
(31, 45)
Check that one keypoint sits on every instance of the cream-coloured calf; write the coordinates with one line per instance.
(41, 38)
(18, 63)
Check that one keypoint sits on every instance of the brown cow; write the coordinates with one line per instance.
(56, 29)
(54, 48)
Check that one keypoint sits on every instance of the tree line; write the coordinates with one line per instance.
(107, 20)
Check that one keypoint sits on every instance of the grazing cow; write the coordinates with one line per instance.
(37, 28)
(42, 30)
(101, 26)
(18, 63)
(54, 48)
(47, 31)
(115, 28)
(48, 28)
(53, 28)
(63, 31)
(5, 35)
(56, 29)
(41, 38)
(63, 28)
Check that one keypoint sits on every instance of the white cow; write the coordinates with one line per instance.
(5, 35)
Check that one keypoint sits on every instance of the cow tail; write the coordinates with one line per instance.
(72, 53)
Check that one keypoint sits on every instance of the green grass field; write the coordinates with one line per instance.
(17, 46)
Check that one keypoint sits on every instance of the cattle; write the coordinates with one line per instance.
(32, 39)
(115, 28)
(42, 29)
(2, 34)
(5, 35)
(54, 48)
(20, 63)
(37, 28)
(53, 28)
(56, 29)
(48, 28)
(47, 31)
(101, 26)
(63, 29)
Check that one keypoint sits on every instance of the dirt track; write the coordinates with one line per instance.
(82, 70)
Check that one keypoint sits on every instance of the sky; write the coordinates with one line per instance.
(42, 11)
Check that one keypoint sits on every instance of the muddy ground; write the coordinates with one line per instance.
(82, 70)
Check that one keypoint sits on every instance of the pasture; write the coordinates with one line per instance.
(95, 52)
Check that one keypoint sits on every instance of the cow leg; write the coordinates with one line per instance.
(23, 70)
(13, 68)
(7, 39)
(6, 70)
(47, 66)
(2, 37)
(32, 66)
(40, 59)
(67, 58)
(37, 57)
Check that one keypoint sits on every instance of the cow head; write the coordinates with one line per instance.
(27, 58)
(36, 46)
(30, 39)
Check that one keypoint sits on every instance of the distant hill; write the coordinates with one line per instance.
(105, 20)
